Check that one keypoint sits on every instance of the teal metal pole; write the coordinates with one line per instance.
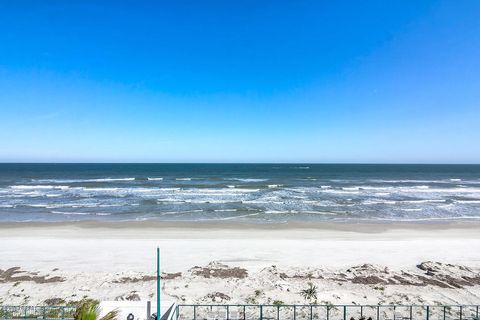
(158, 284)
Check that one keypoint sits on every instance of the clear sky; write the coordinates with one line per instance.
(240, 81)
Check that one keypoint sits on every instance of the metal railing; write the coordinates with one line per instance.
(37, 312)
(273, 312)
(327, 312)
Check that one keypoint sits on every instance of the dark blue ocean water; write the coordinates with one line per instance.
(238, 192)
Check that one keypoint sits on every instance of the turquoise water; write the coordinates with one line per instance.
(238, 192)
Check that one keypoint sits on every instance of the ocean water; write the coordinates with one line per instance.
(263, 193)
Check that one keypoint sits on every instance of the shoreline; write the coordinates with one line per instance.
(344, 225)
(229, 230)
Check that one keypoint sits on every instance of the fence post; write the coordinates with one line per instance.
(295, 312)
(378, 312)
(344, 312)
(461, 311)
(194, 312)
(228, 312)
(428, 312)
(261, 312)
(149, 309)
(411, 312)
(361, 312)
(311, 312)
(328, 313)
(394, 308)
(278, 312)
(444, 312)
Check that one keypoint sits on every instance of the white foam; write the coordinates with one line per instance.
(110, 179)
(155, 179)
(318, 212)
(183, 179)
(248, 179)
(424, 201)
(274, 185)
(351, 188)
(467, 201)
(367, 202)
(241, 216)
(33, 187)
(71, 213)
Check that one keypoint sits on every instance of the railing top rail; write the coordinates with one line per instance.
(40, 306)
(332, 305)
(280, 305)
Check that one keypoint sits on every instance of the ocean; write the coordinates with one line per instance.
(258, 193)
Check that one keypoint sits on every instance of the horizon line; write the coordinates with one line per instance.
(273, 163)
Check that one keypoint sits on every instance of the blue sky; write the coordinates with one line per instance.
(240, 81)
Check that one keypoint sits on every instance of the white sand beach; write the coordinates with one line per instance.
(241, 263)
